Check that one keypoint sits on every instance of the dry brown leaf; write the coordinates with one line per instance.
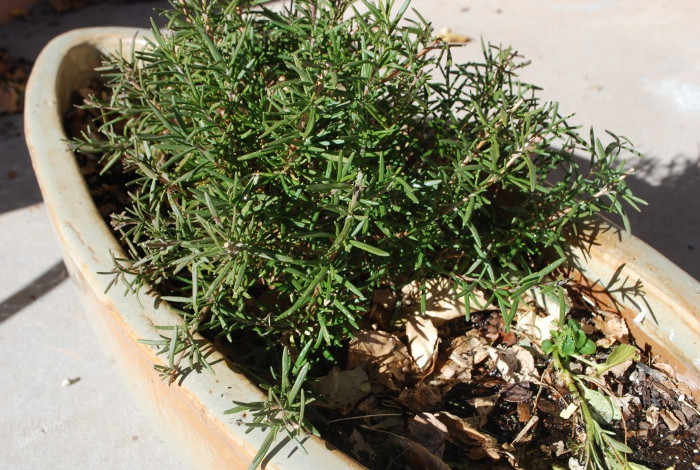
(612, 327)
(417, 456)
(422, 397)
(517, 392)
(620, 370)
(428, 431)
(666, 368)
(652, 416)
(359, 444)
(625, 402)
(382, 356)
(670, 419)
(462, 433)
(558, 448)
(515, 363)
(447, 35)
(441, 302)
(422, 341)
(342, 389)
(464, 353)
(391, 422)
(688, 411)
(683, 389)
(537, 327)
(680, 416)
(484, 406)
(383, 303)
(524, 412)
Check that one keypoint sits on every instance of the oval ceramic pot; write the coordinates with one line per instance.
(189, 414)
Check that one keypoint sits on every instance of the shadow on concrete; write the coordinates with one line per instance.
(671, 221)
(40, 286)
(24, 38)
(18, 186)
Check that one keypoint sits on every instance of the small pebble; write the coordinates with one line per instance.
(67, 382)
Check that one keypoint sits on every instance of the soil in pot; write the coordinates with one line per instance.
(466, 393)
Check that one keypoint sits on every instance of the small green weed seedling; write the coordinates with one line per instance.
(570, 344)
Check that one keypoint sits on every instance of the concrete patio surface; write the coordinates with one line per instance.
(631, 66)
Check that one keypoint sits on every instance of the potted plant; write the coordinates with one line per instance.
(287, 168)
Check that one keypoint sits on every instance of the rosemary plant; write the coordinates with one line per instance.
(289, 162)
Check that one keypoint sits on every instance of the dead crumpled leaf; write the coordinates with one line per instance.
(428, 431)
(359, 445)
(652, 416)
(515, 363)
(416, 455)
(423, 396)
(537, 327)
(465, 352)
(463, 434)
(665, 368)
(382, 356)
(671, 420)
(558, 448)
(517, 392)
(612, 327)
(342, 389)
(382, 310)
(441, 302)
(483, 406)
(422, 341)
(621, 369)
(447, 35)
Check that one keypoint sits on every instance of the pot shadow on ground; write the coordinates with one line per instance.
(670, 223)
(18, 185)
(38, 287)
(24, 38)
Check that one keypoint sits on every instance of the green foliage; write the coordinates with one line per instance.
(621, 353)
(600, 449)
(288, 163)
(569, 340)
(284, 409)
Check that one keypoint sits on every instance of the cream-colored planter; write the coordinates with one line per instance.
(189, 414)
